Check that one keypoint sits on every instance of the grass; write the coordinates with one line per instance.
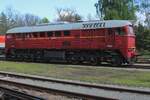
(87, 74)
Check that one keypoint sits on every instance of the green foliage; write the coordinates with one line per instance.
(3, 21)
(116, 9)
(144, 9)
(10, 18)
(142, 38)
(146, 35)
(125, 10)
(45, 20)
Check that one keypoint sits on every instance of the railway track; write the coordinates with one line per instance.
(10, 94)
(16, 80)
(141, 64)
(75, 89)
(136, 65)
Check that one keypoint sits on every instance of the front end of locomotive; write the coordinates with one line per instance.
(2, 44)
(131, 52)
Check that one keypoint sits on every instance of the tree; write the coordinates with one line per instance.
(10, 18)
(31, 20)
(45, 20)
(3, 20)
(7, 20)
(144, 8)
(68, 15)
(147, 20)
(139, 36)
(116, 9)
(147, 39)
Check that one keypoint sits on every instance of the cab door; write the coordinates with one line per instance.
(110, 38)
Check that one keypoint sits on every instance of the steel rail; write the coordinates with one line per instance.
(6, 93)
(66, 82)
(66, 93)
(106, 87)
(138, 65)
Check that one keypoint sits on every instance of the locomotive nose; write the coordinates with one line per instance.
(132, 53)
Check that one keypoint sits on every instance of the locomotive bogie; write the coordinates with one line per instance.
(92, 57)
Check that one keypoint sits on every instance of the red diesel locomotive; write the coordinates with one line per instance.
(2, 41)
(2, 44)
(111, 41)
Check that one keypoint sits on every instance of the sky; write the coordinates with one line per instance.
(47, 8)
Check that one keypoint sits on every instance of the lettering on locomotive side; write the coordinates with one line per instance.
(94, 25)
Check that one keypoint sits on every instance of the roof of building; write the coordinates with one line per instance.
(70, 26)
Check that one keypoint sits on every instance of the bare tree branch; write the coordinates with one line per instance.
(68, 15)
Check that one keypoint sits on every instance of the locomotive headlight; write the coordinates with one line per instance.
(131, 49)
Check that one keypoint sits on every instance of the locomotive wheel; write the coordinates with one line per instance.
(74, 60)
(93, 61)
(117, 61)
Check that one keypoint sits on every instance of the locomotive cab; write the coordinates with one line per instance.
(131, 49)
(125, 40)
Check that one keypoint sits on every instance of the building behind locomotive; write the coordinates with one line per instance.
(110, 41)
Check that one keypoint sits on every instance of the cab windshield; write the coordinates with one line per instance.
(130, 30)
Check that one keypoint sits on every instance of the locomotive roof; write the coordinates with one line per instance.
(71, 26)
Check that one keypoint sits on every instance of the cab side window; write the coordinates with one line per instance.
(58, 34)
(66, 33)
(35, 35)
(42, 34)
(49, 34)
(130, 29)
(119, 31)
